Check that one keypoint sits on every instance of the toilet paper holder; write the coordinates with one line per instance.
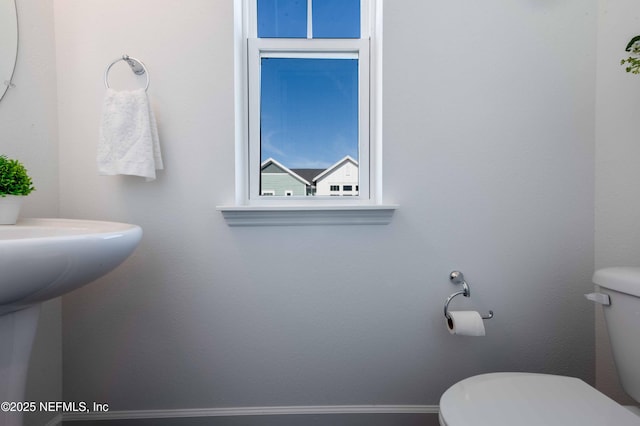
(457, 278)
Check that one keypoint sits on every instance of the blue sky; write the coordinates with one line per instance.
(288, 18)
(309, 111)
(309, 116)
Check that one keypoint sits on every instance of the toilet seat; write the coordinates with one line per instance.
(528, 399)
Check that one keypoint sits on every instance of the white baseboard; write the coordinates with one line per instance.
(245, 411)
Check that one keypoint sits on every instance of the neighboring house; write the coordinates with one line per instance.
(339, 179)
(278, 180)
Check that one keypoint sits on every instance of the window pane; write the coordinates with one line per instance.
(336, 18)
(308, 124)
(282, 18)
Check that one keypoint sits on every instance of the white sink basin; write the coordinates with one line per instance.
(45, 258)
(41, 259)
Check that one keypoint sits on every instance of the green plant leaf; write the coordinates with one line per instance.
(14, 179)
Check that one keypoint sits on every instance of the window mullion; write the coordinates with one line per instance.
(253, 78)
(309, 18)
(251, 18)
(342, 48)
(364, 143)
(366, 17)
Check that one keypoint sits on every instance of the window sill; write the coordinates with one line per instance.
(307, 215)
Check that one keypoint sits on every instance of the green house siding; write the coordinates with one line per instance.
(279, 183)
(272, 168)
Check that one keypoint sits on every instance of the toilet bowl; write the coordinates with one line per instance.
(528, 399)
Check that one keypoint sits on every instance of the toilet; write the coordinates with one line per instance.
(528, 399)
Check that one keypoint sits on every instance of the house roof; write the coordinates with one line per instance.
(285, 169)
(308, 174)
(333, 167)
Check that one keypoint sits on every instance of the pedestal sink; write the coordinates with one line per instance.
(41, 259)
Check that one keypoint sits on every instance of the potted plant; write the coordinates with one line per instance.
(15, 184)
(633, 61)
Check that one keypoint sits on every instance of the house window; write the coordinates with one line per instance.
(310, 83)
(334, 188)
(347, 188)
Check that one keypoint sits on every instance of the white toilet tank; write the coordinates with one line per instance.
(622, 316)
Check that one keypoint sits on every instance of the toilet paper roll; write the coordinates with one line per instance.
(465, 323)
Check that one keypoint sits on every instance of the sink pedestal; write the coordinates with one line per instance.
(17, 331)
(41, 259)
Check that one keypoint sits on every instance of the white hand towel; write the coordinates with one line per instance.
(129, 143)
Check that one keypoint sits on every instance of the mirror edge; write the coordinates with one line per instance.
(9, 83)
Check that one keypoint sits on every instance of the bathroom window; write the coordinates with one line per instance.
(308, 98)
(309, 93)
(308, 82)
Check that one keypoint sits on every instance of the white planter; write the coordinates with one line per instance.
(10, 209)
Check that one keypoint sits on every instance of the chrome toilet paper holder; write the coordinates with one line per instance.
(457, 278)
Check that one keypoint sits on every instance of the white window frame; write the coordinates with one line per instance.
(259, 48)
(252, 209)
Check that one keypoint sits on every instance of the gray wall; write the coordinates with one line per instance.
(488, 105)
(29, 132)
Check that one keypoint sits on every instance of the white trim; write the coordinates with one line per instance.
(252, 411)
(366, 23)
(244, 21)
(375, 98)
(308, 55)
(302, 48)
(284, 215)
(309, 18)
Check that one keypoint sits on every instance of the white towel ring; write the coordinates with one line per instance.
(136, 65)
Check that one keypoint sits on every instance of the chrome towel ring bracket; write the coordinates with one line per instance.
(457, 277)
(136, 65)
